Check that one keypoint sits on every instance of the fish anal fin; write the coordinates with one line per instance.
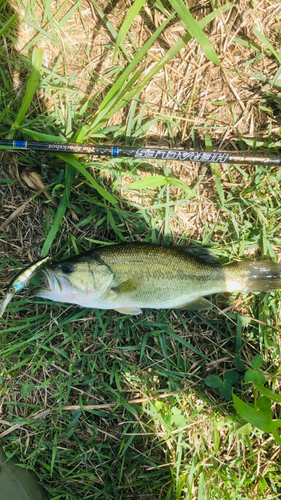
(126, 286)
(129, 310)
(197, 305)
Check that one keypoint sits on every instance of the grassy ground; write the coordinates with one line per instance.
(100, 405)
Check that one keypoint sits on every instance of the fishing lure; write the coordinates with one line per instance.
(21, 281)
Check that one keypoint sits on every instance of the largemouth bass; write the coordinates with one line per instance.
(20, 281)
(135, 276)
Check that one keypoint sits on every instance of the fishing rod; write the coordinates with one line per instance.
(145, 153)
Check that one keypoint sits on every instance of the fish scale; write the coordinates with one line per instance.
(134, 276)
(167, 276)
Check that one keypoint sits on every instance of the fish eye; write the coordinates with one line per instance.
(66, 269)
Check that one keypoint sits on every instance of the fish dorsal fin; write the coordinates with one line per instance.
(126, 286)
(129, 310)
(197, 305)
(201, 255)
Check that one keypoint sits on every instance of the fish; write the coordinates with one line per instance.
(131, 277)
(21, 281)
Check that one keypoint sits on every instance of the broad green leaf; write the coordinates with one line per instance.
(216, 439)
(255, 376)
(37, 57)
(134, 10)
(177, 418)
(219, 103)
(38, 136)
(252, 416)
(160, 180)
(195, 30)
(213, 381)
(231, 377)
(267, 44)
(180, 184)
(69, 158)
(225, 390)
(277, 437)
(247, 43)
(239, 364)
(264, 404)
(267, 392)
(147, 182)
(158, 416)
(245, 429)
(201, 493)
(257, 361)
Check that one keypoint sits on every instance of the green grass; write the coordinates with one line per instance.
(100, 405)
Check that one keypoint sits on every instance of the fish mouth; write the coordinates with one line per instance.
(51, 281)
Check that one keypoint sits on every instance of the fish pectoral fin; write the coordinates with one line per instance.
(197, 305)
(126, 286)
(129, 310)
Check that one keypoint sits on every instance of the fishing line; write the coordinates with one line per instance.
(145, 153)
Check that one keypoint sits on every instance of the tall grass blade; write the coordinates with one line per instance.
(147, 182)
(69, 177)
(107, 103)
(69, 14)
(7, 25)
(159, 65)
(37, 57)
(134, 10)
(160, 180)
(38, 136)
(122, 100)
(75, 163)
(267, 44)
(35, 39)
(111, 29)
(195, 30)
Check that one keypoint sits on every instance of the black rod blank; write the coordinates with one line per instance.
(145, 153)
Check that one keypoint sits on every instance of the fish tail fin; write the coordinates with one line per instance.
(263, 276)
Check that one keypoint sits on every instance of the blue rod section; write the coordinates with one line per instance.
(20, 144)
